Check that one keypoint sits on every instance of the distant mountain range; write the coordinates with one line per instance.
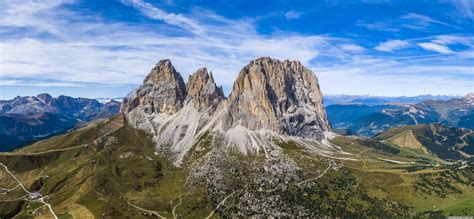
(378, 100)
(352, 99)
(368, 120)
(26, 119)
(108, 99)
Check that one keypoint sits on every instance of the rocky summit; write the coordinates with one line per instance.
(163, 91)
(269, 98)
(202, 90)
(281, 96)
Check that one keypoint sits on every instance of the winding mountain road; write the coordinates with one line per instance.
(146, 210)
(33, 196)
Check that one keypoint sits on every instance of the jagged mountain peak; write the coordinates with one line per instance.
(470, 98)
(162, 91)
(163, 71)
(270, 98)
(266, 60)
(45, 98)
(281, 96)
(203, 91)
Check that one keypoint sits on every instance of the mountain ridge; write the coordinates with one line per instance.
(368, 120)
(331, 99)
(269, 98)
(31, 118)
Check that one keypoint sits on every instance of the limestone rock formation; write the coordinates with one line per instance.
(202, 91)
(278, 98)
(281, 96)
(163, 91)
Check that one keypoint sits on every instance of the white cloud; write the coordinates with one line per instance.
(352, 48)
(115, 53)
(151, 11)
(392, 45)
(380, 26)
(453, 39)
(38, 83)
(26, 14)
(412, 21)
(421, 21)
(122, 53)
(291, 15)
(9, 82)
(465, 7)
(435, 48)
(404, 79)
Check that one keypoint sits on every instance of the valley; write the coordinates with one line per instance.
(120, 174)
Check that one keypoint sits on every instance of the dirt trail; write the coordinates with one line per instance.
(312, 179)
(32, 196)
(221, 203)
(145, 210)
(174, 208)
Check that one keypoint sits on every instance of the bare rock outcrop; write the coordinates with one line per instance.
(281, 96)
(202, 90)
(162, 91)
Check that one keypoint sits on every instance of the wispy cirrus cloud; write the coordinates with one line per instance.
(436, 48)
(352, 48)
(412, 21)
(419, 21)
(121, 53)
(379, 26)
(291, 15)
(177, 20)
(38, 42)
(4, 82)
(34, 15)
(392, 45)
(38, 83)
(454, 39)
(464, 7)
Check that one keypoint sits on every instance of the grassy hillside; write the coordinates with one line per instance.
(110, 170)
(104, 170)
(444, 142)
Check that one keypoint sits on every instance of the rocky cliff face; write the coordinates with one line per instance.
(163, 91)
(202, 90)
(281, 96)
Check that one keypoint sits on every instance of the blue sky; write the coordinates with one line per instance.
(105, 48)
